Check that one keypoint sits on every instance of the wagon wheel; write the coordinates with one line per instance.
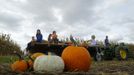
(121, 53)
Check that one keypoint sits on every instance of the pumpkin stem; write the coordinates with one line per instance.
(20, 57)
(30, 58)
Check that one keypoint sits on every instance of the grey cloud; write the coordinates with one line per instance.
(78, 11)
(123, 21)
(79, 18)
(73, 11)
(130, 33)
(10, 21)
(42, 9)
(103, 28)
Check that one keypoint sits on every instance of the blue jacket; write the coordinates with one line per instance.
(39, 37)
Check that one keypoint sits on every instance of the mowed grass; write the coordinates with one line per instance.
(7, 59)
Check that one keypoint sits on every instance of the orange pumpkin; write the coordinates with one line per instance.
(19, 65)
(76, 58)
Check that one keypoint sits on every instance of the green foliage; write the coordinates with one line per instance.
(9, 59)
(4, 59)
(7, 45)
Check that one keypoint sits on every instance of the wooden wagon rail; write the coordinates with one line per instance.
(48, 47)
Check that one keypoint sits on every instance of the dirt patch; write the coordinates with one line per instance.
(97, 68)
(113, 67)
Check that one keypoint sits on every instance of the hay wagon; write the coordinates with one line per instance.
(121, 52)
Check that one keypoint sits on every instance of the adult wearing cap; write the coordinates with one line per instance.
(93, 41)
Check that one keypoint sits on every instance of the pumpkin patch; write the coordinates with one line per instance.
(72, 59)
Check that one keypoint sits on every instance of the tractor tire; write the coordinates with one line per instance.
(98, 57)
(121, 53)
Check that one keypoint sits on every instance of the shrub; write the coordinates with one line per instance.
(7, 45)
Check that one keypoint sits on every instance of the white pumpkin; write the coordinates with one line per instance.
(49, 63)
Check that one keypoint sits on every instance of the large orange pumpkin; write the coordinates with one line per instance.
(19, 65)
(76, 58)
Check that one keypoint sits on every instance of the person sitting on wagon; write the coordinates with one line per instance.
(93, 41)
(50, 38)
(39, 36)
(33, 40)
(54, 37)
(31, 43)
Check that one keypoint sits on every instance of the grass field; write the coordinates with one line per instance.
(4, 59)
(113, 67)
(7, 59)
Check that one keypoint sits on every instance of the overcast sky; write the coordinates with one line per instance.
(81, 18)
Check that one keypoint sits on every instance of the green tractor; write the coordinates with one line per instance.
(121, 52)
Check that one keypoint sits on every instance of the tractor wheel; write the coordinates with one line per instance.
(98, 57)
(121, 53)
